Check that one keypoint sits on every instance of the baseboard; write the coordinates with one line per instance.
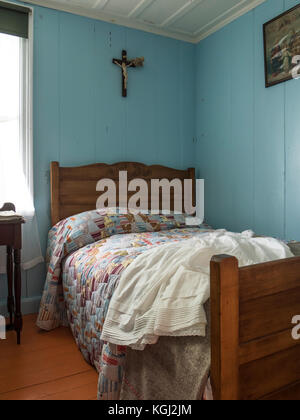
(29, 306)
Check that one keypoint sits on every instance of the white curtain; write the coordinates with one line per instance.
(16, 166)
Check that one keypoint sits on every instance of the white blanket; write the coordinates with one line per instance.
(163, 291)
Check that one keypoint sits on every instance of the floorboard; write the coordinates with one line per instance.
(47, 366)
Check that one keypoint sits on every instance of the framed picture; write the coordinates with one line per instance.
(282, 45)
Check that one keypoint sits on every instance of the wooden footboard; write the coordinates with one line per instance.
(254, 355)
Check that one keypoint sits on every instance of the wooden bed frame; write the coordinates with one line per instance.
(253, 353)
(73, 190)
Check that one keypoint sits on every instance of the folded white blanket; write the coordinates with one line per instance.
(163, 291)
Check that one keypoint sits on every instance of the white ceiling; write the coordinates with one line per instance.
(188, 20)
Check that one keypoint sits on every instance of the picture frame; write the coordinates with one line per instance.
(281, 46)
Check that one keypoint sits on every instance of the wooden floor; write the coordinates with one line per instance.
(47, 366)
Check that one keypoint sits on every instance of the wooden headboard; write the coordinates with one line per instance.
(73, 189)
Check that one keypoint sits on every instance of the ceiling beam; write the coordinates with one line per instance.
(100, 4)
(182, 11)
(139, 8)
(222, 16)
(208, 30)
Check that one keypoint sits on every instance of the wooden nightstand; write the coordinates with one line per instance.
(11, 237)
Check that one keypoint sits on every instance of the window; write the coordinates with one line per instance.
(16, 181)
(14, 177)
(16, 163)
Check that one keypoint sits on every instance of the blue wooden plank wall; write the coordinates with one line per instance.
(248, 137)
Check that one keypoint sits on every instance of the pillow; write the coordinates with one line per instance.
(118, 221)
(77, 231)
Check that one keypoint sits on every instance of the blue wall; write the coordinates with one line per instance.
(80, 116)
(248, 147)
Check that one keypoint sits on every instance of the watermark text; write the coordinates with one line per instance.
(296, 329)
(153, 195)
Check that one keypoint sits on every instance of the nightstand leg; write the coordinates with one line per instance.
(10, 298)
(18, 314)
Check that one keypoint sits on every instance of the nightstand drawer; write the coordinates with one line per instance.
(10, 235)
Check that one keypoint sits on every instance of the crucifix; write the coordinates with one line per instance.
(124, 64)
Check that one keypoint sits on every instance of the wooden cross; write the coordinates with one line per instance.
(124, 64)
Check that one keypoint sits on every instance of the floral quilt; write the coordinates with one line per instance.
(86, 257)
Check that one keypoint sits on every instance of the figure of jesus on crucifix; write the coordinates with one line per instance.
(124, 64)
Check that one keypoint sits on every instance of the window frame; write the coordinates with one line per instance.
(26, 145)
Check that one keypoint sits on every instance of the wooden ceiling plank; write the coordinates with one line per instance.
(214, 25)
(97, 10)
(182, 11)
(222, 16)
(100, 4)
(141, 6)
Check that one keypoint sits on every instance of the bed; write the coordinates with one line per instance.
(253, 354)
